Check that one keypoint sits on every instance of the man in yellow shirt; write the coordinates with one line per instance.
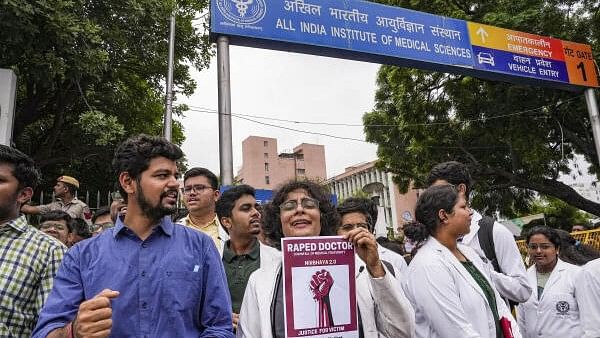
(200, 194)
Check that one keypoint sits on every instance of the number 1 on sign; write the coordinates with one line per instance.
(580, 64)
(581, 67)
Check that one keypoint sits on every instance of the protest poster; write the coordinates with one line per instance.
(319, 287)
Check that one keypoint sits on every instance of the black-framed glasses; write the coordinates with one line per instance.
(196, 188)
(306, 203)
(542, 246)
(55, 225)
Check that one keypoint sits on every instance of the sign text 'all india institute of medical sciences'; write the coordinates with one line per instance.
(414, 38)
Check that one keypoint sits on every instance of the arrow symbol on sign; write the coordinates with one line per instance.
(482, 34)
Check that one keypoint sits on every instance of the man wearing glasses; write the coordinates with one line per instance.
(55, 223)
(200, 194)
(101, 220)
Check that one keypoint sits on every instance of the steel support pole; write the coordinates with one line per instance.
(592, 106)
(8, 85)
(167, 128)
(225, 133)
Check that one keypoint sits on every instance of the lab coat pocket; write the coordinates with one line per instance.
(563, 306)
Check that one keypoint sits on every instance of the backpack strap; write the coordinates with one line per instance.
(486, 240)
(389, 266)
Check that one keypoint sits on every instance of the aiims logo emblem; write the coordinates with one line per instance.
(562, 307)
(245, 12)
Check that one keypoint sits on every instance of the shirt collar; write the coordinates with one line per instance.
(165, 224)
(20, 223)
(229, 255)
(189, 222)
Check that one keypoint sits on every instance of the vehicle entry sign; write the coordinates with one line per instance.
(503, 50)
(378, 33)
(518, 64)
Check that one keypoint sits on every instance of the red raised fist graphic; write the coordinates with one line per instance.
(320, 285)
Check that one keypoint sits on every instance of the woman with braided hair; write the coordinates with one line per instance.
(447, 283)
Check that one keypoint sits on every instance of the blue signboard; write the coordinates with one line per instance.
(348, 25)
(263, 196)
(519, 64)
(373, 32)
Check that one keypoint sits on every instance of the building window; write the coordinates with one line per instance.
(266, 167)
(301, 172)
(266, 143)
(267, 180)
(300, 156)
(266, 156)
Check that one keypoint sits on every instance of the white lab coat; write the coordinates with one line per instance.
(385, 311)
(588, 299)
(448, 302)
(396, 260)
(512, 282)
(556, 314)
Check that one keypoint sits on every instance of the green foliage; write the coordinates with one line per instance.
(515, 139)
(559, 214)
(92, 73)
(106, 129)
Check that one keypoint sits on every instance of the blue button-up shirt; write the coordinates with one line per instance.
(171, 285)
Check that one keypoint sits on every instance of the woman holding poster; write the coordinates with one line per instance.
(303, 209)
(447, 283)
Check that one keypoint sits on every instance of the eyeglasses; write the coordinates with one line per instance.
(57, 226)
(102, 226)
(197, 188)
(350, 226)
(543, 246)
(306, 203)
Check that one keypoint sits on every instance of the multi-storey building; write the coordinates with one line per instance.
(397, 208)
(264, 168)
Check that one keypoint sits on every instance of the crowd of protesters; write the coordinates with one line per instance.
(137, 268)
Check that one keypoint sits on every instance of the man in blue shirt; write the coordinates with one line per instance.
(146, 277)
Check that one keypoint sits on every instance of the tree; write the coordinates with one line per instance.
(91, 73)
(516, 139)
(557, 214)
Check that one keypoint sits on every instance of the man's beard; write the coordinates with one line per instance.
(10, 209)
(154, 212)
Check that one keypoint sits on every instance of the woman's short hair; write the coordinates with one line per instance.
(272, 214)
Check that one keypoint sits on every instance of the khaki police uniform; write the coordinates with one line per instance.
(75, 208)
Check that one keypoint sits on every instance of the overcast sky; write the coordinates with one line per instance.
(280, 85)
